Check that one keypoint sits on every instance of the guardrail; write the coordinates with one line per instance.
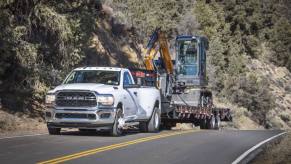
(251, 153)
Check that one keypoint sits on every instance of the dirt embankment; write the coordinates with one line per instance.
(279, 80)
(20, 124)
(276, 153)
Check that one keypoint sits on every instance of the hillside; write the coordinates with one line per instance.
(249, 59)
(41, 41)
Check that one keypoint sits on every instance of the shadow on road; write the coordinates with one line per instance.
(96, 133)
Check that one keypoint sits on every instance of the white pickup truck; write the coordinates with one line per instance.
(102, 98)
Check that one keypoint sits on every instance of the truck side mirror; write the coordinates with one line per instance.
(131, 86)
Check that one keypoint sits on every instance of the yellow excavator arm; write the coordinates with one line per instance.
(158, 43)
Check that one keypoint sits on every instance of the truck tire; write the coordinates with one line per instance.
(155, 121)
(116, 130)
(54, 131)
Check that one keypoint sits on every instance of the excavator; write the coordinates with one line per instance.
(181, 80)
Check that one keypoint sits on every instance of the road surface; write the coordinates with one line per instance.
(171, 147)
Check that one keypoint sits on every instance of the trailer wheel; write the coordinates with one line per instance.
(203, 123)
(217, 122)
(211, 123)
(116, 129)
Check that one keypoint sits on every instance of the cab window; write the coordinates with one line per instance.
(127, 79)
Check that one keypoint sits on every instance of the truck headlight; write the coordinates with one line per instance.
(50, 99)
(106, 100)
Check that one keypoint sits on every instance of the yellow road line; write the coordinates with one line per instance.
(111, 147)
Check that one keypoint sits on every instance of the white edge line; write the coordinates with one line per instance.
(41, 134)
(246, 153)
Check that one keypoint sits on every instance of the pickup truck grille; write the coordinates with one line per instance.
(76, 99)
(75, 115)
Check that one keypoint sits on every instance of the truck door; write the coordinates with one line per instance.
(130, 106)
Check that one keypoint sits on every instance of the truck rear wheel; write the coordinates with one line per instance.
(54, 131)
(116, 129)
(155, 121)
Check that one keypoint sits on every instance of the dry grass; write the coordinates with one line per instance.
(279, 153)
(184, 126)
(279, 79)
(7, 122)
(241, 116)
(11, 124)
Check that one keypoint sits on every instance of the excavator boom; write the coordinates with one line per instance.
(158, 42)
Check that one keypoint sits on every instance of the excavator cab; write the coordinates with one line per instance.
(190, 64)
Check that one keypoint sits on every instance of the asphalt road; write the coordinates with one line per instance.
(171, 147)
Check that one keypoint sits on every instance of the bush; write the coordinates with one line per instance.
(252, 92)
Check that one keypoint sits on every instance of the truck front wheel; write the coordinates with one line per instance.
(54, 131)
(117, 129)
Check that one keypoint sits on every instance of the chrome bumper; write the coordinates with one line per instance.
(80, 118)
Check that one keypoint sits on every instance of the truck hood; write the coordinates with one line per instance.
(100, 88)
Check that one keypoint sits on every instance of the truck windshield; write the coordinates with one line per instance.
(187, 57)
(94, 76)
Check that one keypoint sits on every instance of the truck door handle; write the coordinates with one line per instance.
(135, 93)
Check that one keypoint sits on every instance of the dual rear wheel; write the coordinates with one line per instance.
(153, 125)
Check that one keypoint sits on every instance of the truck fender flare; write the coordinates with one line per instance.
(157, 104)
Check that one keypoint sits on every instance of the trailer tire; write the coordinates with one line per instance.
(203, 123)
(217, 123)
(211, 123)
